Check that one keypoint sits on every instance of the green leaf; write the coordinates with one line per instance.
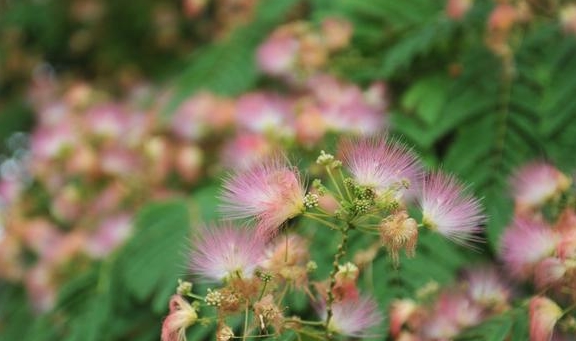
(154, 256)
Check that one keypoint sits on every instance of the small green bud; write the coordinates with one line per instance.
(325, 159)
(311, 200)
(311, 266)
(213, 298)
(184, 288)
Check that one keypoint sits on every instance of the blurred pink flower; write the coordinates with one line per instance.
(336, 32)
(457, 9)
(107, 121)
(51, 142)
(270, 193)
(41, 287)
(536, 183)
(486, 287)
(400, 312)
(111, 232)
(278, 54)
(345, 107)
(549, 272)
(246, 150)
(568, 18)
(261, 112)
(353, 317)
(225, 251)
(544, 313)
(200, 115)
(525, 244)
(447, 209)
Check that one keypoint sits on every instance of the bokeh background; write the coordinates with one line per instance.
(118, 120)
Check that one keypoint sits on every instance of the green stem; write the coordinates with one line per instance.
(341, 252)
(263, 290)
(245, 334)
(350, 197)
(198, 297)
(308, 323)
(334, 182)
(329, 224)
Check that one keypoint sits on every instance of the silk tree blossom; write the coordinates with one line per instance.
(277, 56)
(353, 317)
(221, 252)
(536, 183)
(182, 315)
(346, 108)
(382, 165)
(447, 209)
(544, 313)
(486, 287)
(261, 112)
(525, 244)
(270, 193)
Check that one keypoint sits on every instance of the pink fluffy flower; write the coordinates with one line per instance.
(400, 312)
(278, 54)
(246, 150)
(109, 235)
(486, 287)
(346, 108)
(383, 165)
(446, 208)
(224, 251)
(549, 271)
(536, 183)
(108, 121)
(270, 193)
(451, 313)
(525, 244)
(353, 317)
(265, 113)
(182, 315)
(544, 313)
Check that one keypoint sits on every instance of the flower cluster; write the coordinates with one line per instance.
(540, 244)
(68, 192)
(366, 192)
(443, 314)
(297, 50)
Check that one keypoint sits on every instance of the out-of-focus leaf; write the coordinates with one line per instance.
(155, 255)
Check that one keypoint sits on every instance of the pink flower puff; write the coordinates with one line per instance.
(382, 165)
(447, 209)
(536, 183)
(270, 193)
(485, 286)
(525, 244)
(220, 252)
(353, 317)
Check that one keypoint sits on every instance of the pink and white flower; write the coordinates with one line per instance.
(277, 56)
(536, 183)
(353, 317)
(221, 252)
(486, 287)
(447, 209)
(182, 315)
(265, 113)
(544, 313)
(382, 165)
(525, 244)
(270, 193)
